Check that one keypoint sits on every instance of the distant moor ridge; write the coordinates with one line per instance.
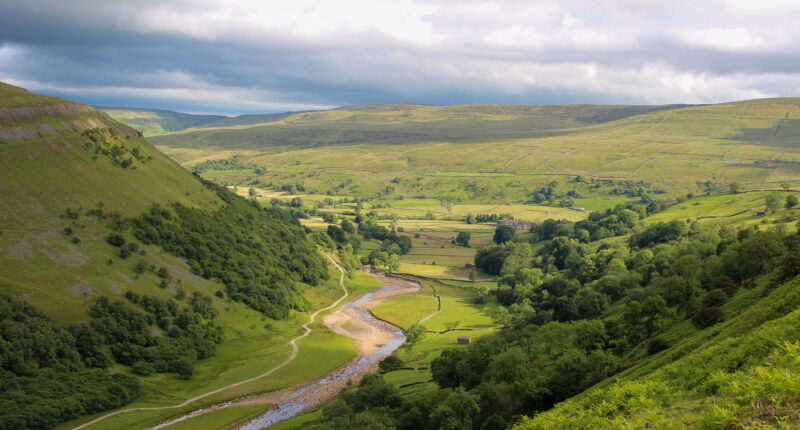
(503, 152)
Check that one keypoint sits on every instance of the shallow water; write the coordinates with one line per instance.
(304, 398)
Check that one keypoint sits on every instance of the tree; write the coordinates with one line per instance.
(791, 201)
(657, 344)
(785, 186)
(503, 234)
(185, 368)
(481, 294)
(734, 187)
(653, 310)
(394, 263)
(252, 193)
(470, 219)
(706, 317)
(415, 334)
(463, 238)
(390, 363)
(297, 202)
(456, 412)
(336, 233)
(772, 202)
(348, 226)
(759, 253)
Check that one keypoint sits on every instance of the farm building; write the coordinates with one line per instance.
(517, 224)
(761, 213)
(464, 340)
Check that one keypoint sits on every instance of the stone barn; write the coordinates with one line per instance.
(464, 340)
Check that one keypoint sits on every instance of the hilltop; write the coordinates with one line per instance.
(152, 122)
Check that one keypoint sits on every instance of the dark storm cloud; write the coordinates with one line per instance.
(248, 56)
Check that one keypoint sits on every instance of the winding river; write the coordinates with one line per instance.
(307, 396)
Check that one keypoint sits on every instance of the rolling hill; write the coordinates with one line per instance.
(505, 153)
(116, 258)
(152, 122)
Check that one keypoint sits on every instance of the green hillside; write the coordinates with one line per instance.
(506, 153)
(398, 123)
(152, 122)
(666, 315)
(123, 277)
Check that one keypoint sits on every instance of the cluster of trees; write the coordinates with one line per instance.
(486, 385)
(392, 242)
(237, 162)
(479, 218)
(551, 194)
(103, 141)
(618, 221)
(609, 223)
(665, 276)
(556, 341)
(187, 334)
(50, 374)
(259, 254)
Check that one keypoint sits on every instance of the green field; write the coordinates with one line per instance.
(227, 418)
(677, 150)
(404, 311)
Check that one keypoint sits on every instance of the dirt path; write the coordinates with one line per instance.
(374, 339)
(293, 342)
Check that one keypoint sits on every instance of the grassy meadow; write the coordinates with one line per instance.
(677, 150)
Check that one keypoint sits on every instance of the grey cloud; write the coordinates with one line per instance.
(635, 46)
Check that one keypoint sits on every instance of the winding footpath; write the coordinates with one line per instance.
(293, 342)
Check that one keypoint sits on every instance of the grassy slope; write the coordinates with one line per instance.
(708, 378)
(396, 123)
(152, 122)
(502, 156)
(43, 175)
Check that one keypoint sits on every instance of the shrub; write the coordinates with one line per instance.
(115, 239)
(657, 344)
(707, 316)
(142, 368)
(140, 266)
(390, 363)
(185, 368)
(714, 298)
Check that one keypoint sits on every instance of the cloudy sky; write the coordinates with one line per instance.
(243, 56)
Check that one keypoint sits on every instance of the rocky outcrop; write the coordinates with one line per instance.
(21, 114)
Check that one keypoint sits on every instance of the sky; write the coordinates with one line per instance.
(248, 56)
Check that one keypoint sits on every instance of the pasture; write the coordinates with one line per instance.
(676, 150)
(246, 357)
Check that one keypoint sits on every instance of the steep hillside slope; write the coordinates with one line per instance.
(152, 122)
(152, 268)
